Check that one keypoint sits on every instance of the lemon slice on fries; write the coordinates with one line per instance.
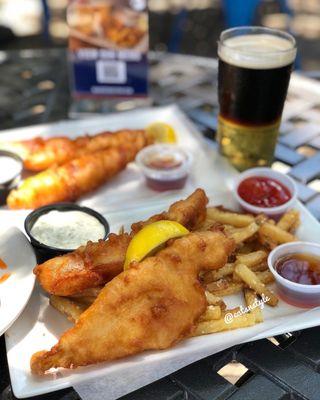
(151, 237)
(160, 132)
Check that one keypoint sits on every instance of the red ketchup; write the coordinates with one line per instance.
(262, 191)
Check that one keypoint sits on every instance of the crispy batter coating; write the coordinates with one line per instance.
(39, 153)
(77, 177)
(97, 263)
(89, 266)
(190, 213)
(152, 305)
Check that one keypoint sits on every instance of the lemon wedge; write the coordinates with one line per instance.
(160, 132)
(150, 237)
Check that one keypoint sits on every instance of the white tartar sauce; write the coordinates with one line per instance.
(9, 168)
(67, 229)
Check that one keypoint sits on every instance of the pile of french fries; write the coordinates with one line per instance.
(246, 272)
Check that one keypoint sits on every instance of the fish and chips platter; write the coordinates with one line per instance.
(180, 264)
(128, 189)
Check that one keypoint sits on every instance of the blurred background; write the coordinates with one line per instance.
(178, 26)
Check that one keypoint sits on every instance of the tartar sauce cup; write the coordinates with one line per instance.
(297, 294)
(285, 180)
(45, 251)
(165, 166)
(11, 166)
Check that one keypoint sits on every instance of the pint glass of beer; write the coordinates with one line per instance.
(255, 64)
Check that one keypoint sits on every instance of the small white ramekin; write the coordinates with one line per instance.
(174, 178)
(269, 173)
(306, 296)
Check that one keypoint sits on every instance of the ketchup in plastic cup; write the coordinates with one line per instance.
(263, 190)
(165, 166)
(296, 283)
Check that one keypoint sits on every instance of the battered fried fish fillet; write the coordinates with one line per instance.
(190, 213)
(75, 178)
(89, 266)
(152, 305)
(39, 154)
(96, 263)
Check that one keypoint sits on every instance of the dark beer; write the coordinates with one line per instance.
(254, 74)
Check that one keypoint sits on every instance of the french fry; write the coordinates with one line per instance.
(215, 300)
(236, 278)
(267, 242)
(247, 247)
(252, 259)
(211, 276)
(275, 234)
(229, 229)
(88, 296)
(251, 302)
(208, 222)
(90, 292)
(70, 308)
(220, 284)
(227, 286)
(228, 322)
(229, 218)
(212, 312)
(227, 289)
(252, 280)
(265, 277)
(289, 221)
(261, 218)
(242, 234)
(85, 300)
(260, 267)
(263, 267)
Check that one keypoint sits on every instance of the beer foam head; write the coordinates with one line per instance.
(257, 51)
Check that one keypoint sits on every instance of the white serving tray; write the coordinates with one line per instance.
(128, 188)
(40, 326)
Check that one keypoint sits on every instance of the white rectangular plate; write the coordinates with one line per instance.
(40, 326)
(128, 188)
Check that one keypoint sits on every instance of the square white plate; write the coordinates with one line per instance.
(40, 326)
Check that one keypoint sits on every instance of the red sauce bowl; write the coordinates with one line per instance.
(288, 197)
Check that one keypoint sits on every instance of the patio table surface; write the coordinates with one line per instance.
(34, 89)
